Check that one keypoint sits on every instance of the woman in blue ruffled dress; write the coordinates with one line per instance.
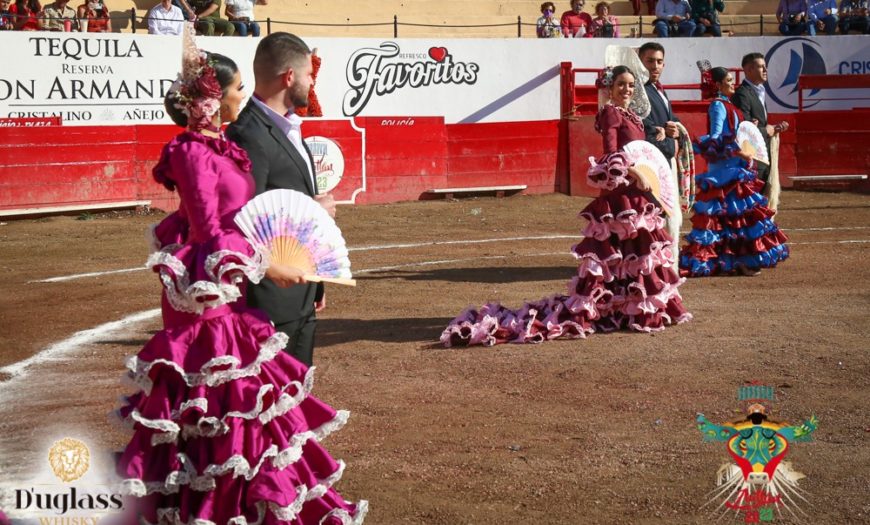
(732, 227)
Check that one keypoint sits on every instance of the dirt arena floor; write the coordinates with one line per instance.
(585, 431)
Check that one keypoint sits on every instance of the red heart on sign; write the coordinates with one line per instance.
(438, 53)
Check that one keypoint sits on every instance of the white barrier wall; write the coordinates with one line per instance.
(117, 79)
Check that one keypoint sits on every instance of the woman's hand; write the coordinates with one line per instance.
(638, 179)
(660, 134)
(285, 276)
(745, 156)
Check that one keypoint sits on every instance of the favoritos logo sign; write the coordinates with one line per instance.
(384, 69)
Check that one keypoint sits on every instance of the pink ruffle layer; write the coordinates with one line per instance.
(225, 429)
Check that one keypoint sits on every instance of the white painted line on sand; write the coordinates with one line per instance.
(451, 261)
(83, 275)
(464, 241)
(84, 337)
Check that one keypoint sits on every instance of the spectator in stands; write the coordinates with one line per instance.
(674, 17)
(208, 18)
(575, 23)
(6, 18)
(58, 16)
(650, 7)
(241, 15)
(25, 14)
(855, 16)
(93, 17)
(792, 17)
(706, 16)
(604, 25)
(186, 10)
(821, 16)
(165, 18)
(548, 26)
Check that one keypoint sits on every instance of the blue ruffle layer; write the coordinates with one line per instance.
(732, 205)
(723, 173)
(714, 150)
(728, 263)
(708, 237)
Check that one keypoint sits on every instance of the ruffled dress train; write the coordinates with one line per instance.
(625, 277)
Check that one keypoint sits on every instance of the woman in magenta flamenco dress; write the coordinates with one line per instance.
(625, 278)
(225, 430)
(732, 227)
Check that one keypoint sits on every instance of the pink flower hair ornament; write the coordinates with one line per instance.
(605, 78)
(197, 90)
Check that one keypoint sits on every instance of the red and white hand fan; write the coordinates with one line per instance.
(656, 172)
(749, 139)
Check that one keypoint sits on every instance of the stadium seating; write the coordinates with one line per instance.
(741, 16)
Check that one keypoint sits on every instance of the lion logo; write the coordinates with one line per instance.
(69, 459)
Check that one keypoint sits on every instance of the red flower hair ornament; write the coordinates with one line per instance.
(197, 90)
(709, 88)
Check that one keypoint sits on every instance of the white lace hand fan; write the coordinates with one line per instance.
(749, 139)
(297, 232)
(656, 172)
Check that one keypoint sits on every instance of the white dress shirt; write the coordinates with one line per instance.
(291, 126)
(165, 22)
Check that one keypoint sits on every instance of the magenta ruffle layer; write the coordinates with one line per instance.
(625, 280)
(225, 430)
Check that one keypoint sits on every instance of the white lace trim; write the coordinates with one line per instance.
(239, 466)
(196, 297)
(254, 268)
(362, 508)
(140, 370)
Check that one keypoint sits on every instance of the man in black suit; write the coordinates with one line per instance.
(271, 133)
(660, 125)
(750, 98)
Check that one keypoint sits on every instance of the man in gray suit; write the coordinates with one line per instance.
(270, 131)
(750, 98)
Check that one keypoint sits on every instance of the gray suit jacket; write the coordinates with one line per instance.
(276, 164)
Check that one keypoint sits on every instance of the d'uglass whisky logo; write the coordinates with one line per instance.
(758, 485)
(73, 500)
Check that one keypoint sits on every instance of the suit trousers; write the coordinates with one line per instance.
(301, 334)
(763, 174)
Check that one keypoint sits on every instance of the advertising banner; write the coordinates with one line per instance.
(117, 79)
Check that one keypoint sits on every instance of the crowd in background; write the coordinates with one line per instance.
(167, 17)
(684, 18)
(694, 18)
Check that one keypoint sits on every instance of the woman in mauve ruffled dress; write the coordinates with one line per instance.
(625, 278)
(732, 227)
(225, 430)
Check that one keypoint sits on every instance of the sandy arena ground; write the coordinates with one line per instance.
(588, 431)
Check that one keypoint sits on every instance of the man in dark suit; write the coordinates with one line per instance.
(660, 126)
(271, 133)
(750, 98)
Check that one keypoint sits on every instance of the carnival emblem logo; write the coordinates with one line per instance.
(69, 459)
(382, 70)
(328, 162)
(758, 484)
(803, 58)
